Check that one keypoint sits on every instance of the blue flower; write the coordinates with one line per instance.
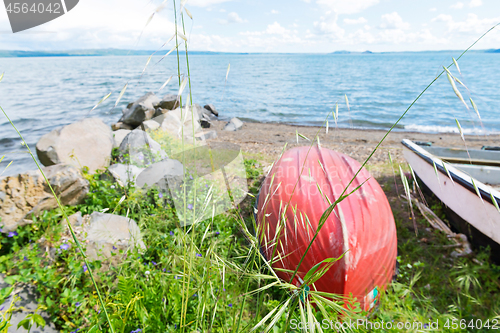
(426, 325)
(230, 305)
(114, 247)
(64, 246)
(84, 268)
(160, 195)
(12, 234)
(154, 263)
(190, 177)
(190, 207)
(136, 331)
(77, 304)
(75, 331)
(164, 270)
(198, 255)
(25, 259)
(171, 233)
(217, 233)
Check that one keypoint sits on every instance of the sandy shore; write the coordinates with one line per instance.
(266, 141)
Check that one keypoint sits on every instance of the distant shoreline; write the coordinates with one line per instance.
(122, 52)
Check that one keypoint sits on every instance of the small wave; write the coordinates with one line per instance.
(446, 129)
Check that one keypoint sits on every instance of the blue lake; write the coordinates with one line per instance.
(43, 93)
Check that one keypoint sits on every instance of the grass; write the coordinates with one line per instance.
(208, 275)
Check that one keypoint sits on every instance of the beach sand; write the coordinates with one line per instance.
(265, 141)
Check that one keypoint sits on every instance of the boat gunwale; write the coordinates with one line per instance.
(454, 173)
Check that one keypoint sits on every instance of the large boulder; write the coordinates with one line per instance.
(161, 174)
(107, 233)
(140, 110)
(124, 174)
(169, 102)
(212, 109)
(104, 235)
(118, 137)
(26, 304)
(85, 143)
(25, 194)
(233, 125)
(139, 149)
(180, 121)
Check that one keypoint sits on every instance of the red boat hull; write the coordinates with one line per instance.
(361, 227)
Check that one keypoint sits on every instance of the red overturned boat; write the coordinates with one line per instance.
(361, 227)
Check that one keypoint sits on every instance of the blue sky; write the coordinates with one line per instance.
(268, 25)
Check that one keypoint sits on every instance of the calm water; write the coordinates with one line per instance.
(41, 94)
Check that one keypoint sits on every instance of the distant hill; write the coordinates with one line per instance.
(89, 52)
(493, 51)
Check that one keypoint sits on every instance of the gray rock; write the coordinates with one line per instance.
(177, 122)
(205, 135)
(85, 143)
(124, 174)
(163, 175)
(169, 102)
(138, 148)
(105, 231)
(119, 125)
(233, 125)
(150, 125)
(26, 305)
(212, 109)
(118, 137)
(141, 110)
(27, 194)
(160, 111)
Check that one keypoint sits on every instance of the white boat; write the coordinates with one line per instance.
(468, 183)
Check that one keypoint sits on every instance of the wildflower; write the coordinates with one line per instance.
(25, 259)
(190, 207)
(160, 195)
(230, 305)
(163, 299)
(112, 186)
(114, 247)
(146, 272)
(190, 177)
(426, 326)
(64, 246)
(154, 263)
(206, 185)
(77, 304)
(217, 233)
(12, 234)
(198, 255)
(171, 233)
(164, 270)
(136, 331)
(84, 268)
(75, 331)
(195, 295)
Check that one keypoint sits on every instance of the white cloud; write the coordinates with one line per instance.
(393, 21)
(433, 9)
(232, 17)
(327, 25)
(274, 11)
(276, 29)
(458, 5)
(347, 6)
(475, 3)
(205, 3)
(472, 25)
(359, 20)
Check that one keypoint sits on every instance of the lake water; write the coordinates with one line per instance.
(40, 94)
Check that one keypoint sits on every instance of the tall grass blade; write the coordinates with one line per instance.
(166, 82)
(448, 172)
(8, 165)
(475, 107)
(347, 102)
(102, 100)
(454, 87)
(182, 86)
(495, 203)
(121, 94)
(188, 13)
(460, 129)
(456, 65)
(477, 189)
(1, 76)
(228, 69)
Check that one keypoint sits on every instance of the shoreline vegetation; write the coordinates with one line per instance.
(125, 52)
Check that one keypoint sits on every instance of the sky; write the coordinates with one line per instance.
(307, 26)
